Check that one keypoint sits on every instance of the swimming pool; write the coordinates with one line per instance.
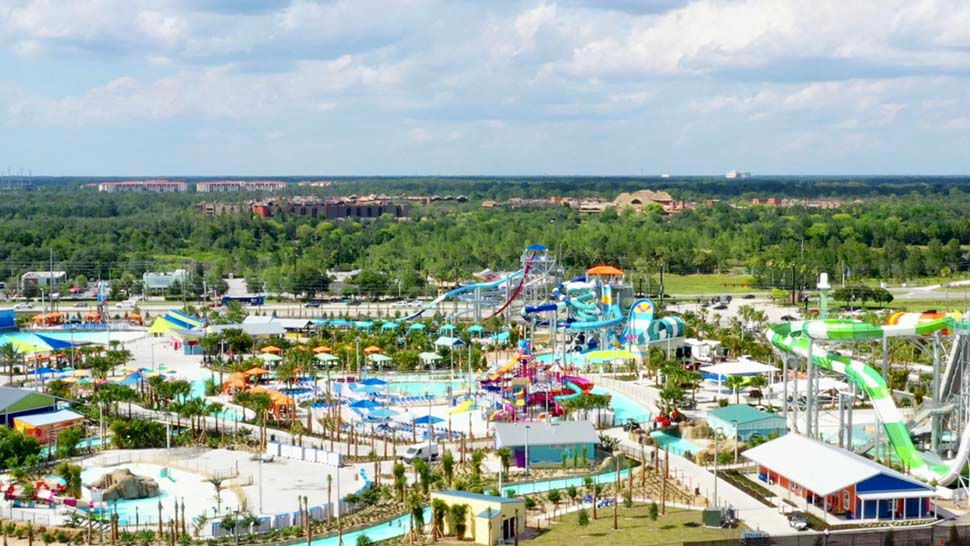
(436, 388)
(198, 391)
(191, 489)
(677, 446)
(624, 408)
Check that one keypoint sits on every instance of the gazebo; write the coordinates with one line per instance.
(378, 359)
(429, 359)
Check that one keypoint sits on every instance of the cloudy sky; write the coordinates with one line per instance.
(257, 87)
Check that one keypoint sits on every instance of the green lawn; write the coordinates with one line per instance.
(708, 284)
(635, 529)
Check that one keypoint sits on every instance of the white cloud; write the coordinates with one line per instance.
(419, 135)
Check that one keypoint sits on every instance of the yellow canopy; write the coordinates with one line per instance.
(462, 408)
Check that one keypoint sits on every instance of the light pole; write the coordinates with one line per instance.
(716, 431)
(260, 478)
(527, 427)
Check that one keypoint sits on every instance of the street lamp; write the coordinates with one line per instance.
(716, 431)
(527, 427)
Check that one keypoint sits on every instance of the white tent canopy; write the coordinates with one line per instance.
(378, 358)
(429, 357)
(738, 367)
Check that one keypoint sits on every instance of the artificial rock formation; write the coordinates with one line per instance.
(121, 484)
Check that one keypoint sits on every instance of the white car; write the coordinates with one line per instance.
(125, 305)
(23, 306)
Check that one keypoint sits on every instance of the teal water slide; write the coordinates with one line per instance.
(795, 338)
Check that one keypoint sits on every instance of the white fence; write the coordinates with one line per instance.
(176, 458)
(300, 453)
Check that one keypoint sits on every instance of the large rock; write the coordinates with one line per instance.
(121, 484)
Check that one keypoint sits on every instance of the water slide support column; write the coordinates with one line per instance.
(885, 359)
(784, 384)
(937, 417)
(478, 305)
(849, 415)
(809, 391)
(794, 419)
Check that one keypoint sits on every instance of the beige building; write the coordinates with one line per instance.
(239, 185)
(490, 520)
(639, 199)
(157, 186)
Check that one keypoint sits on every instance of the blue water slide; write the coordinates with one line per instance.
(463, 289)
(614, 317)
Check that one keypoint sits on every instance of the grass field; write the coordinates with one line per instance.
(636, 528)
(707, 284)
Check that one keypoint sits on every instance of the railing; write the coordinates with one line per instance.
(626, 389)
(32, 515)
(178, 460)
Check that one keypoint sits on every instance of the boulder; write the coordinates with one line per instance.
(121, 484)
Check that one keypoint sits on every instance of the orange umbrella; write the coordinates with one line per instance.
(271, 349)
(257, 371)
(372, 350)
(604, 271)
(321, 349)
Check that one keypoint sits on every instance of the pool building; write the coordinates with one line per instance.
(15, 402)
(744, 422)
(489, 520)
(833, 481)
(546, 443)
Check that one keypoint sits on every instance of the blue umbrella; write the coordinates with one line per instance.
(382, 413)
(364, 404)
(368, 389)
(373, 381)
(428, 420)
(44, 370)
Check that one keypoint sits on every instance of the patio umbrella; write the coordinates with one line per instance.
(475, 329)
(269, 357)
(373, 349)
(389, 326)
(256, 371)
(271, 349)
(428, 420)
(322, 349)
(327, 357)
(44, 370)
(373, 381)
(417, 326)
(364, 404)
(447, 328)
(368, 389)
(382, 413)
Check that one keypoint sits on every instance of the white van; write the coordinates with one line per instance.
(421, 451)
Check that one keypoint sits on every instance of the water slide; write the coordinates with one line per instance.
(515, 293)
(613, 317)
(794, 338)
(467, 288)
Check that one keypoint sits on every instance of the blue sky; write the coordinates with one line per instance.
(613, 87)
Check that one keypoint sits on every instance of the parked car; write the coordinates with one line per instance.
(798, 520)
(748, 296)
(23, 306)
(312, 304)
(127, 304)
(720, 307)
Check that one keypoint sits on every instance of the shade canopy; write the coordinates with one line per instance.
(428, 420)
(364, 404)
(447, 328)
(256, 371)
(269, 357)
(476, 329)
(604, 271)
(390, 326)
(447, 341)
(327, 357)
(429, 357)
(608, 354)
(417, 326)
(373, 381)
(372, 350)
(271, 349)
(381, 413)
(379, 358)
(738, 367)
(322, 349)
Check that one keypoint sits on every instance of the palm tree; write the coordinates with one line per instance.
(736, 383)
(505, 457)
(10, 356)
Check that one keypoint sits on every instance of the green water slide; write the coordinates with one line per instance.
(795, 338)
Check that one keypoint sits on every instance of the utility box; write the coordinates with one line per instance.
(711, 517)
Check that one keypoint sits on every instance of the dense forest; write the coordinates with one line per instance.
(890, 234)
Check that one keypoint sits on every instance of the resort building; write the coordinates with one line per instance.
(329, 209)
(42, 279)
(638, 200)
(45, 426)
(157, 186)
(745, 422)
(16, 403)
(155, 282)
(832, 481)
(489, 520)
(546, 442)
(239, 185)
